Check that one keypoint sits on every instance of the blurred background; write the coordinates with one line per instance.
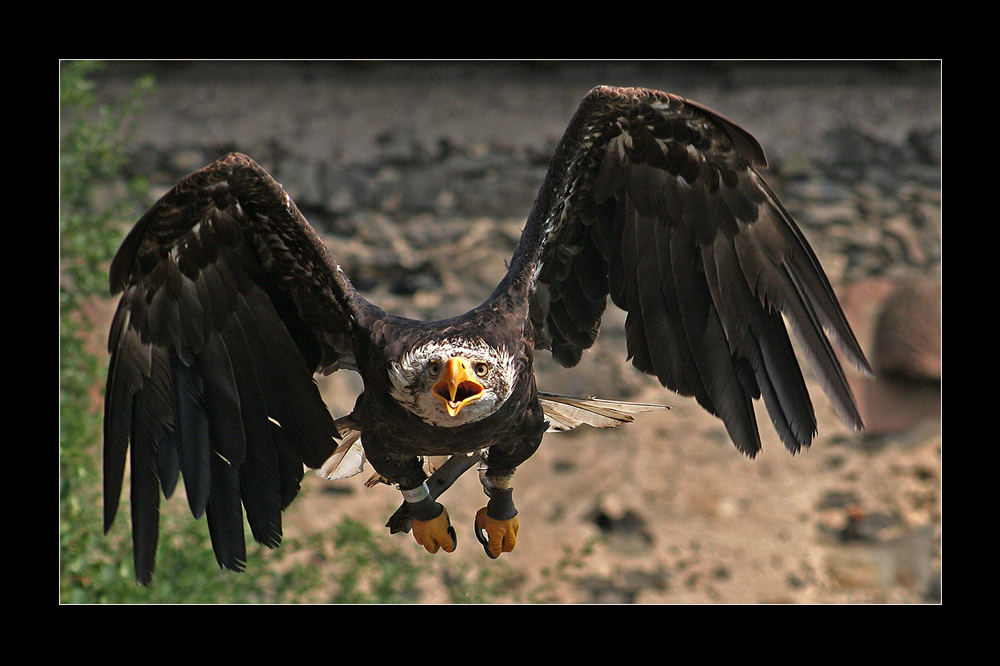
(419, 176)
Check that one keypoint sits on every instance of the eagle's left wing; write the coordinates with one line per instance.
(657, 202)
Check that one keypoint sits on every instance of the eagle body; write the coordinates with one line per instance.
(394, 435)
(230, 303)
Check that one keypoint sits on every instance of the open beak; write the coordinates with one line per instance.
(458, 385)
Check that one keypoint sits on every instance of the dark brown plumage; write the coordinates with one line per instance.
(231, 302)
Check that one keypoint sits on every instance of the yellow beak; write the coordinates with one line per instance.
(458, 385)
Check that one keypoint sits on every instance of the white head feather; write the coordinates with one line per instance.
(412, 381)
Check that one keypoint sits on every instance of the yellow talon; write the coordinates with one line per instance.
(435, 533)
(501, 535)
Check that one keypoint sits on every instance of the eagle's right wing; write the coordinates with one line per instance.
(230, 302)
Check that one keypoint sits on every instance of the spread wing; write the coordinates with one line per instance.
(657, 202)
(230, 303)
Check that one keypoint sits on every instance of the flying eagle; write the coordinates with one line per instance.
(231, 303)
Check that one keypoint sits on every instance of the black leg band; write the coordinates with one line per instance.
(501, 504)
(425, 509)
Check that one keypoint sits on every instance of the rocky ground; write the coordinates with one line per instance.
(419, 177)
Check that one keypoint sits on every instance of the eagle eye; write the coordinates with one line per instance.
(481, 369)
(434, 367)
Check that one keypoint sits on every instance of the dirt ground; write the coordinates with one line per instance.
(664, 510)
(676, 515)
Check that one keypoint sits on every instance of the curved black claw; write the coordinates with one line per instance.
(483, 539)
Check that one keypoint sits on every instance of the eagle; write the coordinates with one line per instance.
(231, 304)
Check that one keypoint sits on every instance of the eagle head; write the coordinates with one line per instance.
(452, 382)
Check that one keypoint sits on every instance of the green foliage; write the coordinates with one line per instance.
(90, 158)
(560, 573)
(478, 585)
(368, 572)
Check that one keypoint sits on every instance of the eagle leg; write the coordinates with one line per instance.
(496, 523)
(429, 520)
